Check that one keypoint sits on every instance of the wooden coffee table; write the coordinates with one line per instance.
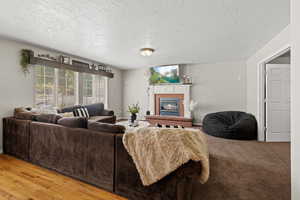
(169, 120)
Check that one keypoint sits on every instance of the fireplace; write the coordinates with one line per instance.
(169, 106)
(155, 92)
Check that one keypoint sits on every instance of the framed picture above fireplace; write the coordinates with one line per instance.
(164, 74)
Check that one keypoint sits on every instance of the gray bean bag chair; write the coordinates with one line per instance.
(231, 125)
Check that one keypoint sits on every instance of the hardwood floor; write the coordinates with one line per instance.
(20, 180)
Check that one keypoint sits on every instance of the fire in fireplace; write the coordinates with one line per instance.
(169, 106)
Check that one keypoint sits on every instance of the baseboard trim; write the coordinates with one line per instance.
(197, 124)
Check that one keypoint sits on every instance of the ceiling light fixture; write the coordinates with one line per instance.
(147, 51)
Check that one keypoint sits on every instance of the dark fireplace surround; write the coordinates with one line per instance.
(169, 105)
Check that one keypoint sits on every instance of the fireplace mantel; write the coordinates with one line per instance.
(170, 89)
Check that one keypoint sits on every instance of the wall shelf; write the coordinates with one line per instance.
(78, 66)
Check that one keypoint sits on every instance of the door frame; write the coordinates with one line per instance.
(262, 91)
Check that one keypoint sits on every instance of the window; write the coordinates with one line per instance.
(92, 87)
(44, 86)
(87, 88)
(62, 88)
(66, 88)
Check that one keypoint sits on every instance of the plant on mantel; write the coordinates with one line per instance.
(25, 60)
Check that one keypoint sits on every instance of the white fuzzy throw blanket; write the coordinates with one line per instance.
(157, 152)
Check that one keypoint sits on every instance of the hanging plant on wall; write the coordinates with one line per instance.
(25, 60)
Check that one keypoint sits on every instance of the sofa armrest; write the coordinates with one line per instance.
(107, 113)
(16, 134)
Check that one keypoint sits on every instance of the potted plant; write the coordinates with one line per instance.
(133, 109)
(25, 60)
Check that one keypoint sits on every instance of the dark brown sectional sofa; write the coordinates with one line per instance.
(95, 157)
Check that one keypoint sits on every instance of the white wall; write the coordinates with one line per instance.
(135, 90)
(115, 92)
(216, 87)
(277, 44)
(16, 89)
(295, 100)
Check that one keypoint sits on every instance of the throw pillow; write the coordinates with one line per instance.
(48, 118)
(73, 122)
(67, 114)
(22, 109)
(104, 127)
(24, 113)
(81, 112)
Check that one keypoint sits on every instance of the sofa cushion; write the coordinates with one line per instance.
(68, 109)
(73, 122)
(95, 109)
(104, 119)
(48, 118)
(104, 127)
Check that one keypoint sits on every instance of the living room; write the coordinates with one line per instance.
(145, 82)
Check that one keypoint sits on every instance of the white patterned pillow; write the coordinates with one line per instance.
(81, 112)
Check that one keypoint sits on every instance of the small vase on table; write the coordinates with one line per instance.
(133, 117)
(133, 109)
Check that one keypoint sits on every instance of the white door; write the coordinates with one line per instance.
(278, 102)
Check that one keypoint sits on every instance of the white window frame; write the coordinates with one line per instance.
(76, 91)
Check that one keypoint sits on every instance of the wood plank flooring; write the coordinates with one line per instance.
(20, 180)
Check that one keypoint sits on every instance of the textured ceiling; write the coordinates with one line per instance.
(113, 31)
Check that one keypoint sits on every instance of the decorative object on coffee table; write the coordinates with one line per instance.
(133, 109)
